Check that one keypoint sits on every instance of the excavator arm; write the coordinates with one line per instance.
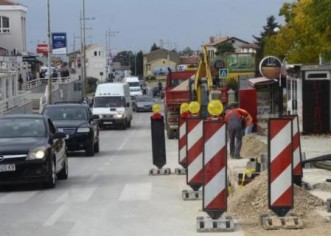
(203, 81)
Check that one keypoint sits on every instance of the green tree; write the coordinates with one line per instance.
(154, 47)
(306, 33)
(139, 64)
(268, 30)
(223, 48)
(186, 52)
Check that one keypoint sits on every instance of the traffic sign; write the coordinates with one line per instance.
(223, 73)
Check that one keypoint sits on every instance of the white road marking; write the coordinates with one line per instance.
(56, 215)
(76, 195)
(17, 197)
(136, 192)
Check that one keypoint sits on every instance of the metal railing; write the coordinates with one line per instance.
(14, 102)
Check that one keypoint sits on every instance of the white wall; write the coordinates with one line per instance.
(96, 62)
(16, 38)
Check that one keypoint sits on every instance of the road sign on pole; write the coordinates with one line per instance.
(223, 73)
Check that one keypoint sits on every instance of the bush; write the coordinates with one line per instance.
(150, 78)
(91, 84)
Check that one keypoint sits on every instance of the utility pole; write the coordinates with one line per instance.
(109, 34)
(49, 99)
(83, 63)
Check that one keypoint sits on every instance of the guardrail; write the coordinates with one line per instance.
(15, 102)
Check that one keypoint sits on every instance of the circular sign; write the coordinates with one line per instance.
(218, 64)
(271, 67)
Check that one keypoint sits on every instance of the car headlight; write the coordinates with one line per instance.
(119, 115)
(37, 153)
(83, 130)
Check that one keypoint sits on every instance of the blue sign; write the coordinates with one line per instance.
(59, 43)
(223, 73)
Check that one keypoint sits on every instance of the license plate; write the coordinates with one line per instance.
(108, 122)
(7, 167)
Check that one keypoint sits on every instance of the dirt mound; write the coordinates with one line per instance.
(250, 201)
(252, 147)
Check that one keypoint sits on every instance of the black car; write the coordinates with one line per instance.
(142, 103)
(31, 150)
(79, 123)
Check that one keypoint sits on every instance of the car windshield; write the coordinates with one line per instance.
(22, 127)
(109, 102)
(66, 113)
(144, 99)
(134, 84)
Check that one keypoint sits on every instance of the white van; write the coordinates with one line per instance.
(134, 85)
(112, 102)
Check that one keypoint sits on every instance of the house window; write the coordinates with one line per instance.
(4, 24)
(95, 53)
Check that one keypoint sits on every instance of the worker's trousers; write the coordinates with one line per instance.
(235, 135)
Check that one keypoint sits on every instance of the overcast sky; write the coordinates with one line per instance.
(137, 24)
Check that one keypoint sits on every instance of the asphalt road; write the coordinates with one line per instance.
(111, 193)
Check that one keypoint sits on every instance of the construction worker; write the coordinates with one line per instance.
(247, 120)
(234, 118)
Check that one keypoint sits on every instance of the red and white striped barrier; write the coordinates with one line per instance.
(194, 145)
(280, 181)
(214, 168)
(297, 157)
(182, 157)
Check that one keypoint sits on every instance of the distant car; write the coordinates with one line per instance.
(77, 121)
(31, 150)
(142, 103)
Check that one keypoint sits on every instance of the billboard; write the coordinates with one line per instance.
(42, 48)
(59, 43)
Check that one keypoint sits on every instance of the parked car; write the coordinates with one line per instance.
(142, 103)
(31, 150)
(77, 121)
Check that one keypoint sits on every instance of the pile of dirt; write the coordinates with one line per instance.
(250, 201)
(252, 147)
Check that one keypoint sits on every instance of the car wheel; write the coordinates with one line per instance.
(97, 146)
(90, 150)
(52, 178)
(63, 174)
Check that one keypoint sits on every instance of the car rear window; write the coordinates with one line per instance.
(22, 127)
(66, 113)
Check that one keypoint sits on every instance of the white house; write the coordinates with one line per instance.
(13, 27)
(96, 62)
(239, 45)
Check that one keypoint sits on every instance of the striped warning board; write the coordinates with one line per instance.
(214, 168)
(194, 146)
(297, 156)
(182, 160)
(280, 181)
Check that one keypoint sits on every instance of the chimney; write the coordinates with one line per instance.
(212, 39)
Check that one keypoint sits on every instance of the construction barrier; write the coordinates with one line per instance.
(280, 179)
(297, 156)
(158, 141)
(214, 168)
(194, 145)
(182, 156)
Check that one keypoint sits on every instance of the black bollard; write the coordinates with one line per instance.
(158, 140)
